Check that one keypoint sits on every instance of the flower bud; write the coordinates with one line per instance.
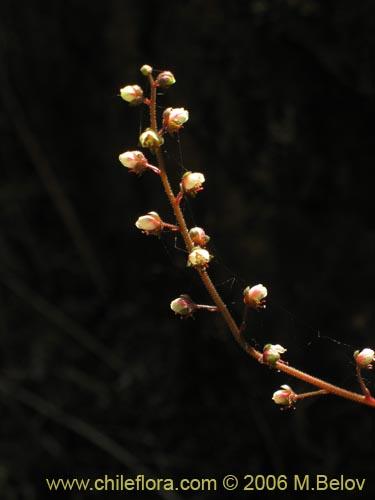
(183, 306)
(255, 296)
(133, 94)
(192, 182)
(146, 70)
(150, 223)
(165, 79)
(199, 257)
(150, 139)
(271, 354)
(285, 396)
(198, 236)
(364, 358)
(174, 118)
(134, 161)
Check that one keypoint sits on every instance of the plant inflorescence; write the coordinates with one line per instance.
(196, 241)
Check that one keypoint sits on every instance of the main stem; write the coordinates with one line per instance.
(211, 289)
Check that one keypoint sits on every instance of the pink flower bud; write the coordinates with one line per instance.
(165, 79)
(255, 296)
(364, 358)
(285, 396)
(271, 354)
(134, 161)
(198, 236)
(192, 182)
(133, 94)
(199, 257)
(150, 223)
(150, 139)
(183, 306)
(174, 118)
(146, 70)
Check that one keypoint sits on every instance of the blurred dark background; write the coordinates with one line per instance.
(97, 375)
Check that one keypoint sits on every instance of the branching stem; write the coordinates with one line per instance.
(325, 387)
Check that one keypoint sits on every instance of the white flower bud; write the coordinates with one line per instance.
(199, 257)
(272, 353)
(150, 139)
(174, 118)
(165, 79)
(134, 160)
(150, 223)
(255, 296)
(364, 358)
(192, 182)
(284, 396)
(133, 94)
(183, 305)
(198, 236)
(146, 69)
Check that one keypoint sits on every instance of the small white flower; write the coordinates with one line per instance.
(284, 396)
(133, 94)
(150, 223)
(150, 139)
(146, 70)
(365, 357)
(134, 160)
(199, 257)
(179, 115)
(174, 118)
(198, 236)
(183, 305)
(255, 296)
(165, 79)
(192, 182)
(272, 353)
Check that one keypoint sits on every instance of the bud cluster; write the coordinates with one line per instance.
(196, 239)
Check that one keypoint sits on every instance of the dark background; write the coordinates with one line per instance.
(97, 374)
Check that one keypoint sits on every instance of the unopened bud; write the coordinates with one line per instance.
(146, 70)
(198, 236)
(183, 306)
(174, 118)
(364, 358)
(134, 161)
(133, 94)
(150, 139)
(199, 257)
(150, 223)
(192, 182)
(272, 354)
(165, 79)
(285, 396)
(255, 296)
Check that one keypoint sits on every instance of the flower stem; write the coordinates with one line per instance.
(309, 394)
(362, 384)
(325, 387)
(206, 308)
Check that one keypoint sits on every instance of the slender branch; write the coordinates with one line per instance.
(237, 332)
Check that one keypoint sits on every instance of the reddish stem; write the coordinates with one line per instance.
(361, 382)
(207, 308)
(237, 332)
(172, 227)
